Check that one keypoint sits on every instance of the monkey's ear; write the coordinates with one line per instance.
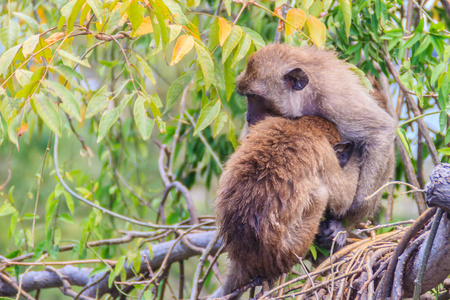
(297, 79)
(343, 152)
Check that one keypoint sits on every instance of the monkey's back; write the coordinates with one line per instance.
(270, 198)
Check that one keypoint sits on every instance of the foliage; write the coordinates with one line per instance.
(105, 75)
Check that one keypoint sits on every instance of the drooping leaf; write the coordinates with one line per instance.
(12, 32)
(30, 44)
(146, 67)
(207, 115)
(184, 44)
(206, 64)
(256, 37)
(69, 74)
(29, 20)
(242, 49)
(1, 131)
(110, 117)
(7, 58)
(307, 3)
(219, 122)
(176, 88)
(436, 72)
(346, 7)
(143, 122)
(73, 58)
(98, 102)
(229, 77)
(69, 103)
(317, 31)
(231, 42)
(402, 134)
(97, 8)
(48, 112)
(224, 30)
(297, 18)
(145, 27)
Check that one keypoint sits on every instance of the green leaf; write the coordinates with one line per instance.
(423, 46)
(231, 42)
(2, 133)
(206, 64)
(98, 102)
(143, 122)
(7, 209)
(30, 44)
(29, 20)
(242, 49)
(232, 134)
(67, 9)
(67, 218)
(69, 74)
(437, 72)
(412, 40)
(313, 251)
(176, 88)
(326, 5)
(48, 112)
(227, 6)
(219, 122)
(207, 115)
(12, 32)
(73, 58)
(69, 202)
(73, 14)
(13, 125)
(110, 117)
(97, 7)
(306, 3)
(445, 151)
(346, 7)
(136, 14)
(229, 76)
(443, 120)
(258, 41)
(402, 134)
(146, 67)
(69, 103)
(447, 53)
(7, 58)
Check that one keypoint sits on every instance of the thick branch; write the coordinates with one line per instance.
(79, 277)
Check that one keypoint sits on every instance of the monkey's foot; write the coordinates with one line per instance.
(331, 230)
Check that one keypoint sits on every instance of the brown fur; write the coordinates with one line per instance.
(333, 92)
(273, 194)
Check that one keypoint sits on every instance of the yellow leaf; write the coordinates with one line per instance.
(297, 18)
(317, 31)
(54, 37)
(145, 27)
(224, 30)
(184, 44)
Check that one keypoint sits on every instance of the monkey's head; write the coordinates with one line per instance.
(277, 82)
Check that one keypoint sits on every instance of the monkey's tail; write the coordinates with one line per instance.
(236, 280)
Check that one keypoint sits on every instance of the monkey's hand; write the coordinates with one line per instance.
(331, 230)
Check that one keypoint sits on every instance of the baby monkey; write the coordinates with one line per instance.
(274, 192)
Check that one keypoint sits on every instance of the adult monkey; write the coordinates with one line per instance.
(287, 81)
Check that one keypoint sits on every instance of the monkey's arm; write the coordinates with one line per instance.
(377, 162)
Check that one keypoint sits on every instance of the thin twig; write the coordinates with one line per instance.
(197, 285)
(102, 209)
(39, 189)
(205, 142)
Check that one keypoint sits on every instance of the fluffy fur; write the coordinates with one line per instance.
(273, 194)
(331, 91)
